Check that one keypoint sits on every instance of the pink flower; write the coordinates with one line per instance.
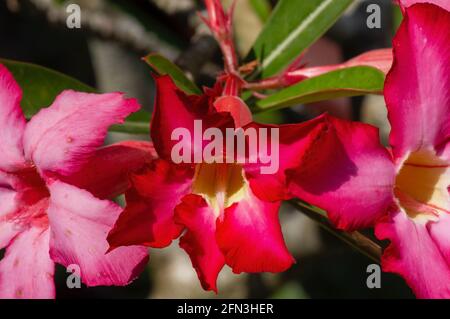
(404, 192)
(54, 181)
(225, 213)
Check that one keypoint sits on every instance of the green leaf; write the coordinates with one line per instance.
(41, 86)
(293, 27)
(397, 18)
(163, 66)
(262, 9)
(352, 81)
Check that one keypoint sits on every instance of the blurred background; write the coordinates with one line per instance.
(106, 53)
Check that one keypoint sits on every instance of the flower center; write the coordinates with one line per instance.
(221, 185)
(421, 186)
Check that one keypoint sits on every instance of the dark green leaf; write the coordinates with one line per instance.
(353, 81)
(148, 19)
(163, 66)
(293, 27)
(40, 85)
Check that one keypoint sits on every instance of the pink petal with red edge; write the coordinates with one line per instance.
(249, 235)
(417, 88)
(294, 140)
(416, 254)
(79, 223)
(380, 59)
(106, 174)
(12, 122)
(442, 3)
(175, 110)
(199, 240)
(348, 173)
(26, 270)
(8, 205)
(64, 136)
(148, 218)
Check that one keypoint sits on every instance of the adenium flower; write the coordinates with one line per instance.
(54, 184)
(225, 213)
(403, 191)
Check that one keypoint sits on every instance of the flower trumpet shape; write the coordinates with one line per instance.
(403, 191)
(225, 213)
(54, 185)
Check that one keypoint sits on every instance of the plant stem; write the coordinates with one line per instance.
(355, 239)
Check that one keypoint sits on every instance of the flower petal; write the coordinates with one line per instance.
(199, 240)
(417, 87)
(148, 218)
(106, 174)
(64, 136)
(26, 270)
(442, 3)
(293, 140)
(414, 253)
(79, 223)
(15, 206)
(380, 59)
(348, 173)
(250, 237)
(12, 122)
(175, 110)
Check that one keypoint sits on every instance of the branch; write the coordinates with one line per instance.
(355, 239)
